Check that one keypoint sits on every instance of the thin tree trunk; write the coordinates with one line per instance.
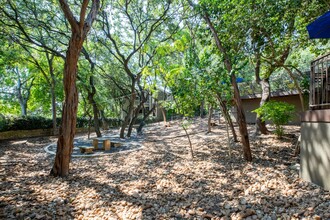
(53, 97)
(145, 116)
(238, 102)
(265, 96)
(131, 124)
(89, 125)
(241, 121)
(228, 140)
(297, 87)
(209, 130)
(135, 116)
(52, 82)
(130, 109)
(96, 119)
(190, 144)
(164, 116)
(23, 108)
(92, 101)
(227, 117)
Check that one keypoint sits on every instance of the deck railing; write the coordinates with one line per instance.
(319, 97)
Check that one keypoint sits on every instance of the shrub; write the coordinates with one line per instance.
(279, 113)
(12, 123)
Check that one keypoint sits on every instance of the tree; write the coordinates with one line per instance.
(37, 29)
(134, 50)
(91, 92)
(17, 78)
(277, 28)
(227, 46)
(79, 31)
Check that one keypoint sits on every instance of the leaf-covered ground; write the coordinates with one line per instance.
(161, 181)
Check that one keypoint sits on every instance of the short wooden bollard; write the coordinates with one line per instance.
(106, 144)
(95, 144)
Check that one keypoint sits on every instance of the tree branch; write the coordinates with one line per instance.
(69, 15)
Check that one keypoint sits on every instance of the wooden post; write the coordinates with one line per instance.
(95, 144)
(106, 144)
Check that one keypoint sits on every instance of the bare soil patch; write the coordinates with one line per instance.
(161, 181)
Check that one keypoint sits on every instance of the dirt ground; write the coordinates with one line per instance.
(161, 181)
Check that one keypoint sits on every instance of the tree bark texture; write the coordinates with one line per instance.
(69, 112)
(92, 101)
(79, 30)
(265, 96)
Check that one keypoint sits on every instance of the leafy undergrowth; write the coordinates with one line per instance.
(161, 181)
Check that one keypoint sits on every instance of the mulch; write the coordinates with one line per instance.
(162, 181)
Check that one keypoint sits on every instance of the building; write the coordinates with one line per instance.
(151, 101)
(252, 102)
(315, 126)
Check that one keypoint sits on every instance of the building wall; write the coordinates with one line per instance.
(315, 147)
(315, 153)
(251, 104)
(157, 113)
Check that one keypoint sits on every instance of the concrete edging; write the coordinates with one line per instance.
(93, 155)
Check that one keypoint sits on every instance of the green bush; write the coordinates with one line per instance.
(279, 113)
(12, 123)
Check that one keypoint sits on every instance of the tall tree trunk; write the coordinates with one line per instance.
(52, 81)
(209, 120)
(79, 30)
(238, 102)
(92, 101)
(131, 124)
(69, 112)
(164, 115)
(134, 117)
(23, 107)
(265, 96)
(96, 120)
(145, 116)
(227, 117)
(241, 121)
(130, 109)
(53, 97)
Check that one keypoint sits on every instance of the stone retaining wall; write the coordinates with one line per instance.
(7, 135)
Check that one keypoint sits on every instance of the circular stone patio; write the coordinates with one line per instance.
(127, 145)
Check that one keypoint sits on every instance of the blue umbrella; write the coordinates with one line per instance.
(320, 28)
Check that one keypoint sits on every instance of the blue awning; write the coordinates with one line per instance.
(320, 28)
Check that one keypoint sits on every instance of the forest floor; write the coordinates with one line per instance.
(161, 181)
